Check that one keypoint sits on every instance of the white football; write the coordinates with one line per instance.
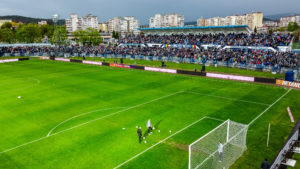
(170, 131)
(144, 138)
(19, 97)
(159, 131)
(136, 127)
(153, 128)
(145, 141)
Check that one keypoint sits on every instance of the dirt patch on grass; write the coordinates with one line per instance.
(179, 146)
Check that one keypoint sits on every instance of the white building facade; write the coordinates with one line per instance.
(284, 21)
(81, 23)
(124, 25)
(169, 20)
(253, 20)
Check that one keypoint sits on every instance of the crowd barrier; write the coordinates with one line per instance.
(288, 84)
(264, 80)
(212, 75)
(75, 60)
(191, 73)
(13, 60)
(91, 62)
(230, 63)
(174, 71)
(230, 77)
(288, 148)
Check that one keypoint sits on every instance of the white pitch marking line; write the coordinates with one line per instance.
(91, 121)
(118, 112)
(269, 107)
(82, 114)
(22, 88)
(160, 142)
(213, 118)
(227, 98)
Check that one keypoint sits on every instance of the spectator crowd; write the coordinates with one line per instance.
(231, 39)
(234, 55)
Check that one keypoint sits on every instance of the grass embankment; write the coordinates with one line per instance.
(295, 45)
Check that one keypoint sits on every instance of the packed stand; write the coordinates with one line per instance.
(231, 39)
(230, 56)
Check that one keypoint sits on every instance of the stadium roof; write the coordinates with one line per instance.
(197, 30)
(197, 27)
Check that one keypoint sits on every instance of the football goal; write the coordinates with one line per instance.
(219, 148)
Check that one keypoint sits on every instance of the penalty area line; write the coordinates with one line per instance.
(269, 107)
(79, 115)
(205, 117)
(62, 131)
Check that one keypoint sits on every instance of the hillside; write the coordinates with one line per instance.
(278, 16)
(26, 20)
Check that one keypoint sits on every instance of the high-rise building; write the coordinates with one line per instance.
(284, 21)
(124, 25)
(90, 21)
(169, 20)
(81, 23)
(103, 27)
(201, 22)
(253, 20)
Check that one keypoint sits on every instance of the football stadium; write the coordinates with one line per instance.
(206, 97)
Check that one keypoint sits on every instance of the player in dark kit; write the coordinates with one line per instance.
(139, 132)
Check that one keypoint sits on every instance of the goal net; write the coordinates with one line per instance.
(204, 153)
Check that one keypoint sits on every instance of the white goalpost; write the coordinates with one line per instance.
(204, 154)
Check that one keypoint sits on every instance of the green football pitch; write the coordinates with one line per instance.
(73, 116)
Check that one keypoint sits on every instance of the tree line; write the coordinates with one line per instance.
(33, 33)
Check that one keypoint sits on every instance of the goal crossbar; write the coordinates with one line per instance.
(241, 133)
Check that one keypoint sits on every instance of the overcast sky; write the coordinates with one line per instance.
(143, 9)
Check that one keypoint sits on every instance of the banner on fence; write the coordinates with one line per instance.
(9, 60)
(231, 77)
(119, 65)
(137, 67)
(91, 62)
(160, 70)
(44, 58)
(62, 59)
(287, 83)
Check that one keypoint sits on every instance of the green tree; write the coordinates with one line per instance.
(80, 36)
(281, 29)
(89, 36)
(292, 26)
(29, 33)
(60, 36)
(270, 31)
(115, 35)
(7, 25)
(255, 30)
(47, 30)
(7, 35)
(296, 35)
(94, 37)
